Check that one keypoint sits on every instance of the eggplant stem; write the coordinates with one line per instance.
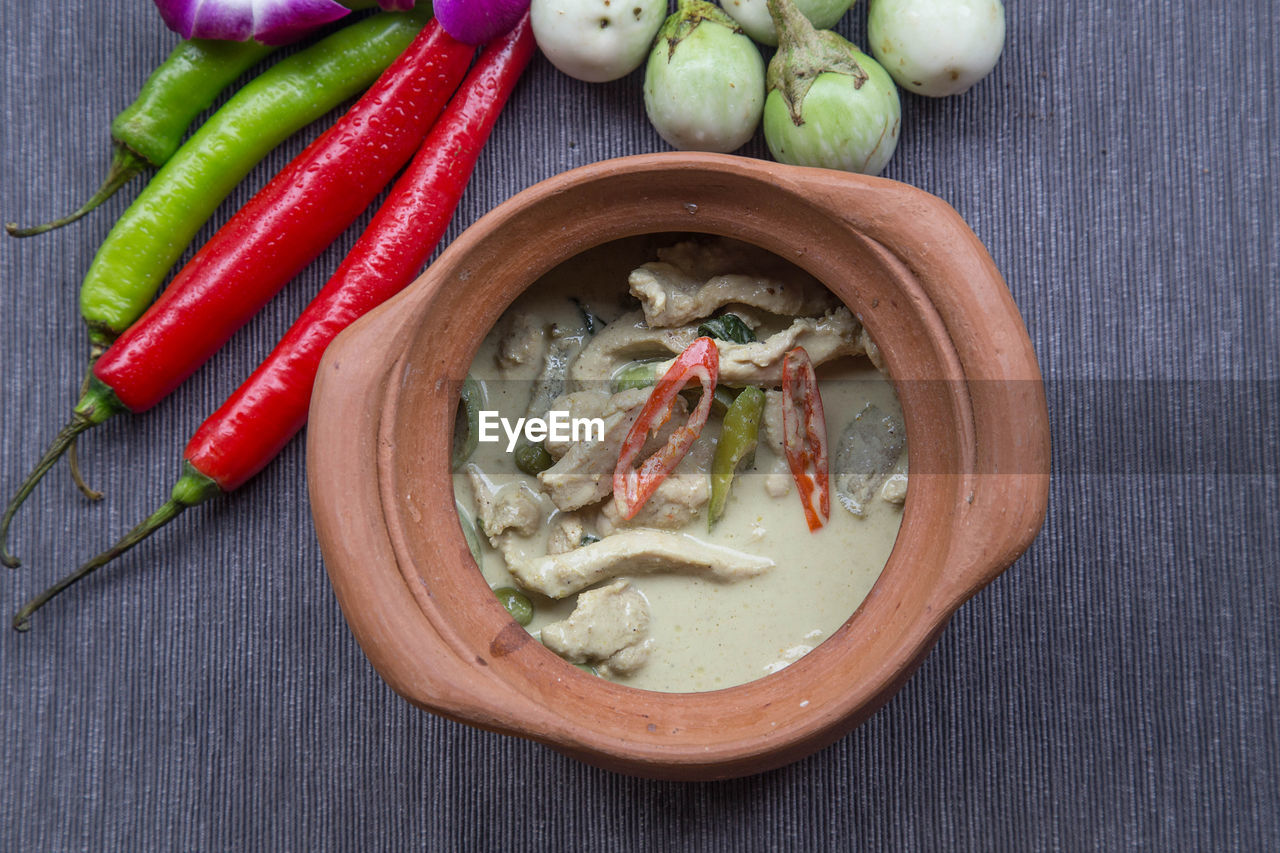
(125, 166)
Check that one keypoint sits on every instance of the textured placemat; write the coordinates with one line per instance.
(1116, 688)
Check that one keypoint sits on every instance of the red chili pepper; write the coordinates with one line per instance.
(632, 486)
(268, 242)
(804, 428)
(251, 427)
(286, 225)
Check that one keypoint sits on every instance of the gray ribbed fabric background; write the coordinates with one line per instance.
(1116, 688)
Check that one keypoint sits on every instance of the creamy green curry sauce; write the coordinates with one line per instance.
(666, 601)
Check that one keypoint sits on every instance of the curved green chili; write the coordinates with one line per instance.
(644, 372)
(155, 231)
(146, 133)
(738, 436)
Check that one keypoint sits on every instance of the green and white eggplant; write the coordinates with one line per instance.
(829, 104)
(937, 47)
(704, 83)
(753, 16)
(596, 40)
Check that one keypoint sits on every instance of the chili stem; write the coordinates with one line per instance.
(73, 453)
(165, 514)
(61, 442)
(96, 405)
(192, 488)
(125, 166)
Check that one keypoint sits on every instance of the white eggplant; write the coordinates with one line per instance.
(704, 83)
(753, 15)
(829, 104)
(937, 47)
(596, 40)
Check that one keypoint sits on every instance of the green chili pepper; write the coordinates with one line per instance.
(642, 374)
(517, 604)
(147, 132)
(738, 438)
(727, 327)
(466, 428)
(588, 539)
(155, 231)
(721, 399)
(533, 459)
(635, 374)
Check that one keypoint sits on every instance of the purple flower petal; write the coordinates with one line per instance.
(269, 21)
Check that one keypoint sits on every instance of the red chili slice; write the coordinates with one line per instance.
(804, 427)
(632, 486)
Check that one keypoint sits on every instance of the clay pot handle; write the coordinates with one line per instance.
(1002, 477)
(344, 489)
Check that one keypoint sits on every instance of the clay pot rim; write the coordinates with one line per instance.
(638, 754)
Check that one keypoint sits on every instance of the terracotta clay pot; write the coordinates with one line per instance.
(956, 349)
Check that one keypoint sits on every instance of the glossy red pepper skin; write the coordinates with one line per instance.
(251, 427)
(285, 225)
(239, 439)
(632, 486)
(804, 427)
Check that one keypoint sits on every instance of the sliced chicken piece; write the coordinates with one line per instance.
(872, 351)
(567, 531)
(624, 340)
(671, 296)
(608, 627)
(894, 490)
(584, 475)
(635, 552)
(579, 404)
(512, 507)
(703, 258)
(675, 504)
(825, 338)
(626, 661)
(836, 333)
(778, 480)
